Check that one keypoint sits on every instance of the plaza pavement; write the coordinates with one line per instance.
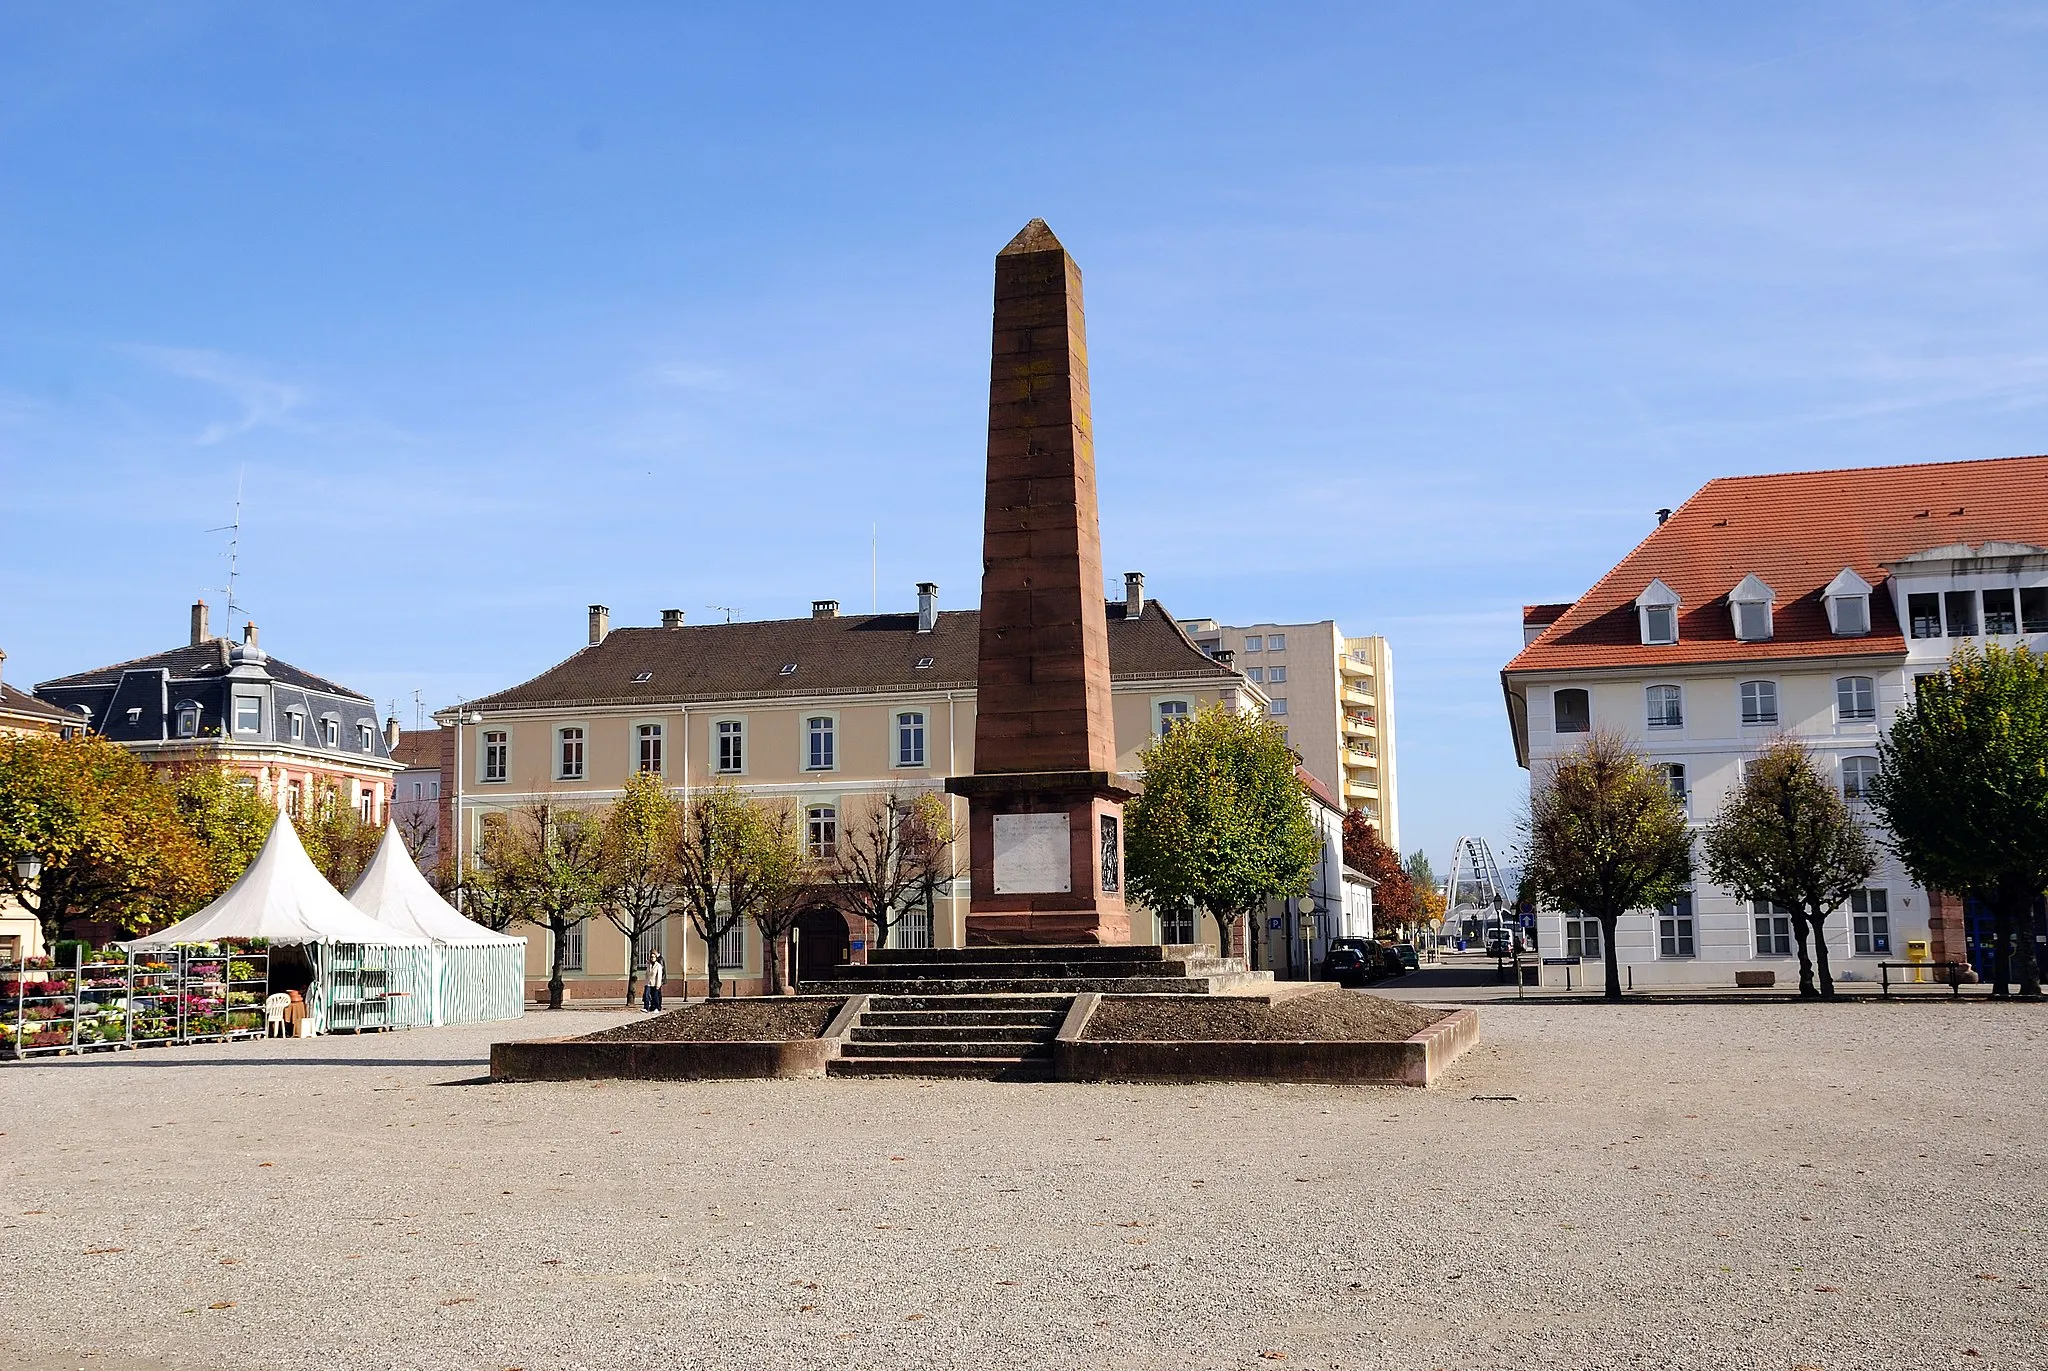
(1738, 1186)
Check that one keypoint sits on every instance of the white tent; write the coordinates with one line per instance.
(283, 898)
(477, 974)
(364, 972)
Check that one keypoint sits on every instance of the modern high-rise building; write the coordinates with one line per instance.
(1335, 697)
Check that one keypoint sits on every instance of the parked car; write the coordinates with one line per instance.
(1351, 961)
(1500, 942)
(1406, 952)
(1391, 962)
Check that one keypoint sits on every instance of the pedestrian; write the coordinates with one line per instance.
(650, 997)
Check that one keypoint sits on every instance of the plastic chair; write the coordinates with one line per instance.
(274, 1008)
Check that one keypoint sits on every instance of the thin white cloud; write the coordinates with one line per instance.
(264, 402)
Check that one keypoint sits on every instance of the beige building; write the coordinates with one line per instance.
(830, 714)
(1334, 694)
(22, 714)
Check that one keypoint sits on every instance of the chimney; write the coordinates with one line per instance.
(1662, 515)
(1225, 657)
(671, 618)
(824, 609)
(1134, 594)
(600, 624)
(927, 606)
(199, 628)
(249, 633)
(391, 733)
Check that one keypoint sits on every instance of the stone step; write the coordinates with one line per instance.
(1033, 1003)
(1049, 1019)
(973, 1032)
(1025, 952)
(951, 971)
(1065, 985)
(928, 1048)
(954, 1068)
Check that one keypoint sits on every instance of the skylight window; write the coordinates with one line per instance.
(925, 663)
(643, 678)
(788, 669)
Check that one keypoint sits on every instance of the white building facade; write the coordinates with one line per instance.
(1800, 605)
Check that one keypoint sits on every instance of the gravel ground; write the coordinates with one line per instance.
(1329, 1016)
(729, 1021)
(1854, 1186)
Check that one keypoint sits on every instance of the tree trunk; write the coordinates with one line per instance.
(1820, 957)
(2016, 959)
(1807, 989)
(632, 976)
(1223, 929)
(2001, 946)
(558, 955)
(1613, 958)
(771, 962)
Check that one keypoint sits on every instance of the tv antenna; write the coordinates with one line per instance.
(419, 710)
(233, 528)
(727, 608)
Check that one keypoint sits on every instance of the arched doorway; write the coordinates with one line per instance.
(821, 942)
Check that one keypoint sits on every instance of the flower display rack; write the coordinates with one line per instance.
(111, 999)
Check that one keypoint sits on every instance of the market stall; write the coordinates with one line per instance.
(354, 972)
(475, 974)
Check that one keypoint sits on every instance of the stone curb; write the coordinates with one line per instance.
(1417, 1061)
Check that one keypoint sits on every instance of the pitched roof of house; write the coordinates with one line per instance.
(1536, 615)
(199, 661)
(20, 704)
(418, 747)
(1795, 531)
(853, 653)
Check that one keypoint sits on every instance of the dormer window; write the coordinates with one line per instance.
(1750, 604)
(1848, 599)
(1657, 612)
(188, 719)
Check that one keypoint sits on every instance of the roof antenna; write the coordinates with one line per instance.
(233, 528)
(726, 608)
(875, 568)
(419, 710)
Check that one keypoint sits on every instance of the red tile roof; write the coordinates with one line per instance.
(1796, 531)
(1533, 615)
(418, 747)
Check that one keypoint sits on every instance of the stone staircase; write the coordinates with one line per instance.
(993, 1012)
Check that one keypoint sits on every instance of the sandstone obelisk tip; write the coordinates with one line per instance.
(1035, 236)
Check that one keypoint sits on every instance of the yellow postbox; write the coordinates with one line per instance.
(1918, 953)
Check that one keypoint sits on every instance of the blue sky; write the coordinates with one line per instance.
(1400, 315)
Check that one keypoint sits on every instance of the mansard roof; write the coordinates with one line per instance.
(203, 661)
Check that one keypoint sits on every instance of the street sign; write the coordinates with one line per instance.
(1528, 921)
(1273, 922)
(1560, 961)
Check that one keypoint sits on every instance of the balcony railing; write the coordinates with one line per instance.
(1361, 718)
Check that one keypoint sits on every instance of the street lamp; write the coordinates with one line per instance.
(462, 716)
(28, 866)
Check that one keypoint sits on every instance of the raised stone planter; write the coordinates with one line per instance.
(1419, 1060)
(578, 1059)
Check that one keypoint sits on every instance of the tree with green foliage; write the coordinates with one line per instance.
(1604, 835)
(641, 830)
(1222, 824)
(228, 816)
(728, 866)
(891, 859)
(1787, 836)
(1963, 790)
(791, 880)
(1394, 901)
(543, 865)
(338, 839)
(106, 829)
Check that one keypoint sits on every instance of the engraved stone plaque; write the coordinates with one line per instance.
(1033, 854)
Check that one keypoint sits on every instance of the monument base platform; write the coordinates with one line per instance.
(1040, 927)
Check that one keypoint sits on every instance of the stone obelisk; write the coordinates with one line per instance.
(1045, 814)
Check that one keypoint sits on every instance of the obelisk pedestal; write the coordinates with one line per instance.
(1045, 813)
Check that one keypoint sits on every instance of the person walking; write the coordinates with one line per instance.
(650, 996)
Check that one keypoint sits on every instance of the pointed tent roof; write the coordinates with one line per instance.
(1035, 236)
(284, 898)
(392, 891)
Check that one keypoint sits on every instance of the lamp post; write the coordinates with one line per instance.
(462, 716)
(28, 866)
